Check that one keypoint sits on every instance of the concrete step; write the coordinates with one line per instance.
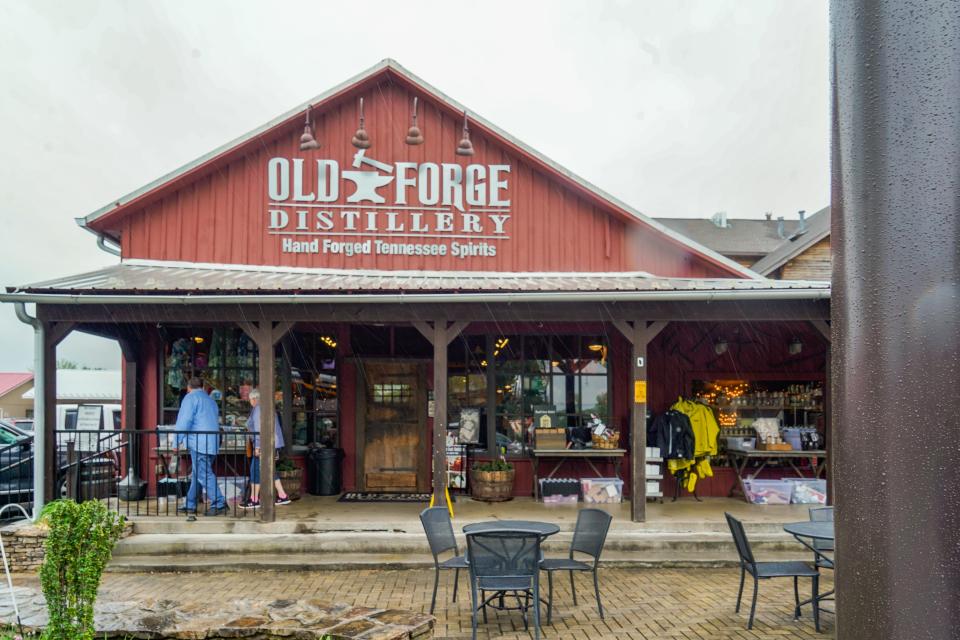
(201, 562)
(251, 525)
(382, 543)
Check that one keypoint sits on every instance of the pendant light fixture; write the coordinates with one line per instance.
(465, 148)
(360, 139)
(307, 141)
(414, 135)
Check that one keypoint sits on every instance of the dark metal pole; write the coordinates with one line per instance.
(896, 316)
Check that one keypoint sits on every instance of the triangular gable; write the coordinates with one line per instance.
(674, 249)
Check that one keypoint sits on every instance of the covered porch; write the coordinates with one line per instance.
(135, 303)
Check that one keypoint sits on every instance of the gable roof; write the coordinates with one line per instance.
(741, 236)
(10, 381)
(816, 229)
(98, 221)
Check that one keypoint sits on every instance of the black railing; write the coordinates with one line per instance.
(150, 472)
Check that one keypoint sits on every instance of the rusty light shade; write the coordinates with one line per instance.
(465, 147)
(414, 135)
(360, 139)
(307, 141)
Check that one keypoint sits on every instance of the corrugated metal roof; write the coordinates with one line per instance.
(817, 228)
(10, 381)
(742, 237)
(141, 277)
(82, 384)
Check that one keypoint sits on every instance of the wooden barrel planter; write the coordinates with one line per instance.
(291, 480)
(491, 486)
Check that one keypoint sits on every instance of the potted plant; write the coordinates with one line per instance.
(290, 476)
(492, 481)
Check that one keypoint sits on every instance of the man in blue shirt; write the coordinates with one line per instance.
(199, 413)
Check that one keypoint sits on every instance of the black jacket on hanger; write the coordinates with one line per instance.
(673, 434)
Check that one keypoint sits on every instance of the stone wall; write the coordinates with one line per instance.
(24, 541)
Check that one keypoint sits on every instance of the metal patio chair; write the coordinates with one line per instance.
(766, 570)
(505, 562)
(589, 536)
(439, 529)
(822, 514)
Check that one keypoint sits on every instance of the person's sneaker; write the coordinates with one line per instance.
(185, 509)
(215, 511)
(283, 500)
(249, 504)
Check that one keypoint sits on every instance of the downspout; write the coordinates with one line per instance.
(39, 419)
(102, 243)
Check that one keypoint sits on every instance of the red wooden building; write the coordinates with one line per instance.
(430, 272)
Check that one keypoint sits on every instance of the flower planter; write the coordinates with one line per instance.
(291, 482)
(491, 486)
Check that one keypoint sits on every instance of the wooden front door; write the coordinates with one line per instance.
(392, 420)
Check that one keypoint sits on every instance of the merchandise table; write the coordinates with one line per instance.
(822, 531)
(740, 459)
(613, 456)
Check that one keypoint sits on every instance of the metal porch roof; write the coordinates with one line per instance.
(158, 278)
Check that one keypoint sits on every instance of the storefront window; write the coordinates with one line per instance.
(563, 377)
(224, 358)
(467, 386)
(313, 382)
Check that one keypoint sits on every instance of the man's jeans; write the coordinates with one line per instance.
(203, 476)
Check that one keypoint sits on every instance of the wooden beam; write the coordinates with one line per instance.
(58, 331)
(823, 327)
(653, 330)
(624, 327)
(440, 341)
(425, 328)
(738, 311)
(456, 329)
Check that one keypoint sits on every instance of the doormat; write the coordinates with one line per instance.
(367, 496)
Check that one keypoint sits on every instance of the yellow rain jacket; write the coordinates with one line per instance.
(705, 432)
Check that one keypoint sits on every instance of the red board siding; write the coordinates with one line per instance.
(221, 216)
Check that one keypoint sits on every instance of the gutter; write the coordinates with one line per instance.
(39, 417)
(423, 298)
(101, 238)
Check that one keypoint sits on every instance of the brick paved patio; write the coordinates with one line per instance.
(641, 603)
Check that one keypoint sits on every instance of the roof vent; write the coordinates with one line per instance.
(768, 215)
(720, 220)
(781, 230)
(803, 221)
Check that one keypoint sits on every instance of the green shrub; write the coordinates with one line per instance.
(78, 547)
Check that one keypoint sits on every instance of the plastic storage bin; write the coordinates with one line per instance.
(769, 491)
(792, 436)
(602, 490)
(808, 490)
(560, 499)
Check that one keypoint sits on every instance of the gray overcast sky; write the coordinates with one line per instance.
(680, 108)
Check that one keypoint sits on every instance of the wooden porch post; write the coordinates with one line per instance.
(440, 335)
(53, 334)
(129, 353)
(639, 333)
(266, 334)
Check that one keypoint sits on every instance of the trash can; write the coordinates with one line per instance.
(323, 470)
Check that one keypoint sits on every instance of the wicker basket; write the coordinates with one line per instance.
(611, 441)
(491, 486)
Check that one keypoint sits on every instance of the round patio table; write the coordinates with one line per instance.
(545, 529)
(810, 530)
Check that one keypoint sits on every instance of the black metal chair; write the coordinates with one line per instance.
(439, 529)
(822, 514)
(766, 570)
(505, 562)
(589, 536)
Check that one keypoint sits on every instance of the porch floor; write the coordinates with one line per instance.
(319, 513)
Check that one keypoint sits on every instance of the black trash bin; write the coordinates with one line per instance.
(323, 469)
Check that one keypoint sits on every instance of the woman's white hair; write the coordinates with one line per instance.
(254, 394)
